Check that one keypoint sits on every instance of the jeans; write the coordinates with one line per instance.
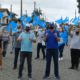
(61, 48)
(52, 53)
(39, 46)
(28, 56)
(5, 44)
(17, 51)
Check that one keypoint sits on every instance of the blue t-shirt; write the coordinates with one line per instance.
(51, 42)
(26, 44)
(63, 37)
(66, 28)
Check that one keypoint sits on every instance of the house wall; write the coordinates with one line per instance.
(4, 20)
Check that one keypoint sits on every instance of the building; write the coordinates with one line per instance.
(6, 19)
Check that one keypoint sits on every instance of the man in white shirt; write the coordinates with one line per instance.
(75, 49)
(39, 44)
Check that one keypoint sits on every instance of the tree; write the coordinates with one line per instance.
(78, 5)
(37, 12)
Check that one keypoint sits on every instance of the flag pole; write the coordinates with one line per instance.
(75, 14)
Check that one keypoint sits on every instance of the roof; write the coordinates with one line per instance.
(4, 9)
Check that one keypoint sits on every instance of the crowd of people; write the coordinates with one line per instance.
(50, 40)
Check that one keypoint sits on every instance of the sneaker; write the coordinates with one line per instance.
(19, 79)
(57, 78)
(30, 78)
(71, 67)
(37, 58)
(45, 77)
(14, 68)
(61, 58)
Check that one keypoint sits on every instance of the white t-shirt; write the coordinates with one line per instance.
(75, 41)
(39, 38)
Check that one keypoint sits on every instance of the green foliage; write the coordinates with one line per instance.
(78, 5)
(37, 12)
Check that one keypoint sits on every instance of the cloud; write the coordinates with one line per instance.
(51, 8)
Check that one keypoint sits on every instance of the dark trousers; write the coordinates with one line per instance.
(52, 53)
(28, 56)
(75, 54)
(17, 51)
(61, 48)
(5, 44)
(39, 46)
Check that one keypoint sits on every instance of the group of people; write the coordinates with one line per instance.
(51, 40)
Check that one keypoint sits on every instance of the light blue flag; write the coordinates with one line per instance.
(66, 20)
(22, 18)
(42, 24)
(59, 21)
(34, 23)
(1, 15)
(75, 21)
(10, 15)
(13, 25)
(28, 19)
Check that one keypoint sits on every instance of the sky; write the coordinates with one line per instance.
(52, 9)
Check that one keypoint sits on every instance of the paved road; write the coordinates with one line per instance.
(38, 68)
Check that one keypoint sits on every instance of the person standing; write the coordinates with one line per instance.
(75, 48)
(39, 44)
(16, 45)
(1, 49)
(26, 39)
(51, 38)
(5, 38)
(62, 42)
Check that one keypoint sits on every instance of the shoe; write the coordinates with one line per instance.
(76, 68)
(45, 77)
(44, 58)
(61, 58)
(57, 78)
(30, 78)
(36, 58)
(14, 68)
(71, 67)
(19, 79)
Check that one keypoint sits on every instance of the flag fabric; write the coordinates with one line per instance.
(75, 21)
(66, 20)
(28, 19)
(10, 15)
(37, 21)
(1, 15)
(13, 25)
(59, 21)
(22, 18)
(34, 23)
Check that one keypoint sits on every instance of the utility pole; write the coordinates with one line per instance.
(34, 5)
(26, 12)
(21, 8)
(11, 8)
(0, 5)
